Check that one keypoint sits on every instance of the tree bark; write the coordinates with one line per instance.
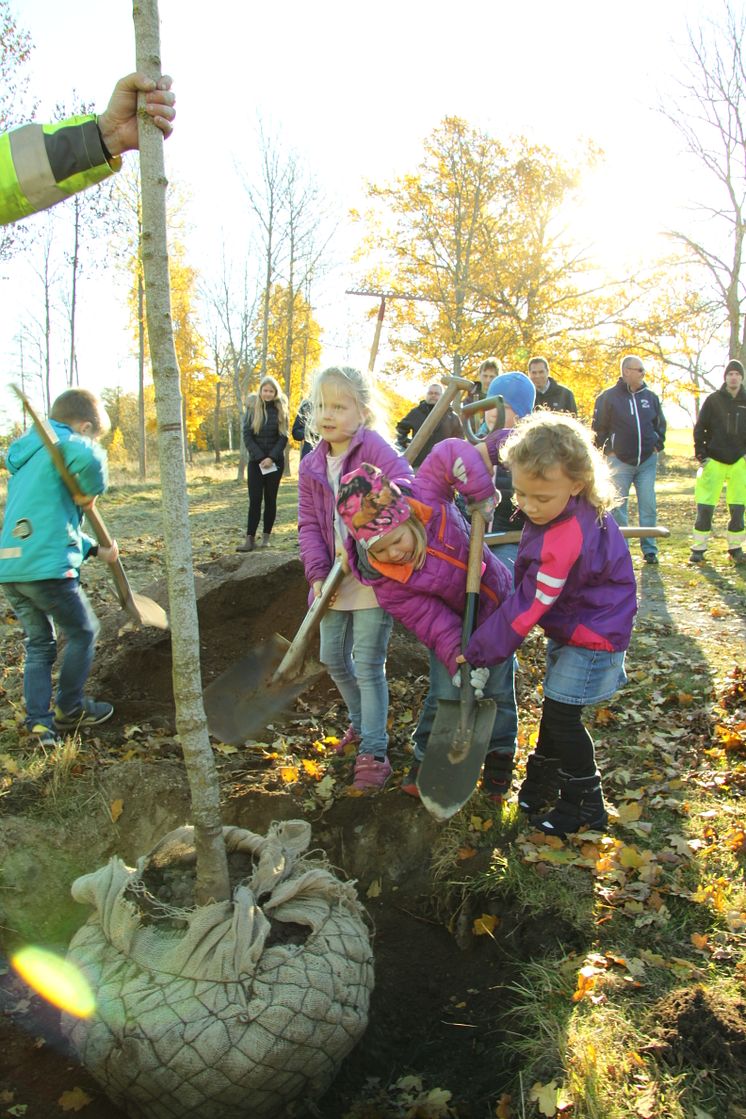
(212, 866)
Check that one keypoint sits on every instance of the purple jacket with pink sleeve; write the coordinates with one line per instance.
(430, 602)
(574, 578)
(316, 508)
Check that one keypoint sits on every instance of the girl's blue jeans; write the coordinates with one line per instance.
(353, 649)
(42, 608)
(500, 687)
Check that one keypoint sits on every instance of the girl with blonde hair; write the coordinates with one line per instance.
(574, 578)
(355, 632)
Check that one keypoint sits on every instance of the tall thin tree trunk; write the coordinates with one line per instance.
(74, 291)
(143, 455)
(212, 863)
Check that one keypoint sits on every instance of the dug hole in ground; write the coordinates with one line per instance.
(448, 945)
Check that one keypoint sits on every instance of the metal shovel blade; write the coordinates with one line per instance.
(147, 612)
(242, 701)
(454, 756)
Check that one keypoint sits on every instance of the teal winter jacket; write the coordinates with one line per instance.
(42, 535)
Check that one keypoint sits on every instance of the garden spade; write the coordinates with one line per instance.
(462, 728)
(143, 610)
(257, 689)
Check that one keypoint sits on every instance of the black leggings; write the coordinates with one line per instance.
(262, 487)
(563, 736)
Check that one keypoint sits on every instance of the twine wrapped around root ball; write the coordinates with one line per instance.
(226, 1010)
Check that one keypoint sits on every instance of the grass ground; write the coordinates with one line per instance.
(628, 996)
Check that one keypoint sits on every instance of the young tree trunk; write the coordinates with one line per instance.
(212, 865)
(74, 290)
(143, 452)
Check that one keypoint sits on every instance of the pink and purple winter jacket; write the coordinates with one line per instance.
(431, 602)
(316, 503)
(574, 578)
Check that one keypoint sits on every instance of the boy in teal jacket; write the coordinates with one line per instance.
(42, 547)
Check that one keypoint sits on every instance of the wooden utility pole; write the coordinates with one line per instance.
(383, 296)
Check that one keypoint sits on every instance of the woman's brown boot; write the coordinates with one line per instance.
(265, 540)
(247, 546)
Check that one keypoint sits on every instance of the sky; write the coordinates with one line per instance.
(354, 90)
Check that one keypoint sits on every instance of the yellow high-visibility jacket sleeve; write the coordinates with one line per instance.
(42, 164)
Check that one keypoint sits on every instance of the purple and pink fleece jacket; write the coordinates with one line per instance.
(430, 602)
(574, 578)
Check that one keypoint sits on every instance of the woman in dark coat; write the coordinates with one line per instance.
(265, 434)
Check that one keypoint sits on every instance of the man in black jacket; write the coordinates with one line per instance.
(550, 395)
(720, 448)
(448, 428)
(631, 430)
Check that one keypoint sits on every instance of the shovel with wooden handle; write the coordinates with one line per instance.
(462, 728)
(142, 609)
(257, 688)
(629, 532)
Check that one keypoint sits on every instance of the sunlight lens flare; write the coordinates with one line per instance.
(56, 980)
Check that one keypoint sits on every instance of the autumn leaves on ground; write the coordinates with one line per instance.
(622, 954)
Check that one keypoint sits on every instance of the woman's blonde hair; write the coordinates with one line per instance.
(348, 380)
(260, 409)
(543, 440)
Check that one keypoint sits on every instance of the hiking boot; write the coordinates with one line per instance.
(371, 773)
(738, 556)
(409, 782)
(541, 784)
(90, 714)
(248, 545)
(697, 557)
(497, 776)
(45, 736)
(651, 557)
(581, 805)
(349, 738)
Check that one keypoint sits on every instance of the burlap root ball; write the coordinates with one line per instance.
(251, 1006)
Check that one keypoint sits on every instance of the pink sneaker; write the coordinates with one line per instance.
(370, 774)
(349, 738)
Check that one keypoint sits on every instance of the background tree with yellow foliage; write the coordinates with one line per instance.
(478, 235)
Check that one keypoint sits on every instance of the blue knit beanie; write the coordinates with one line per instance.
(516, 390)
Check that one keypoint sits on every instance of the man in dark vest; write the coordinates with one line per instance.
(549, 394)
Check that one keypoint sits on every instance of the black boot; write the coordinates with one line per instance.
(581, 805)
(541, 784)
(497, 776)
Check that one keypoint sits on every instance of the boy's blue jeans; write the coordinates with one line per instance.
(353, 649)
(42, 608)
(500, 687)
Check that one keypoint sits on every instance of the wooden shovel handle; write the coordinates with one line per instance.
(453, 386)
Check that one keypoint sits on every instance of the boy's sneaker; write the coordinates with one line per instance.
(90, 714)
(370, 773)
(349, 738)
(697, 557)
(44, 736)
(738, 556)
(409, 783)
(497, 776)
